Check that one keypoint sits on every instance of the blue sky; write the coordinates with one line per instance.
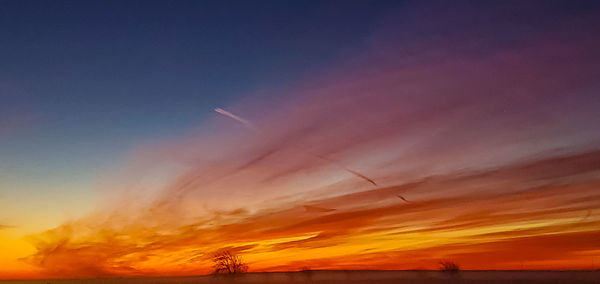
(82, 82)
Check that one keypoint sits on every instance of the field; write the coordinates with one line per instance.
(424, 277)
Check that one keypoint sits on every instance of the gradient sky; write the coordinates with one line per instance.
(484, 117)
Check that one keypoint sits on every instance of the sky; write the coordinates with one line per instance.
(352, 135)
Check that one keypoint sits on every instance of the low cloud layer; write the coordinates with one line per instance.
(552, 218)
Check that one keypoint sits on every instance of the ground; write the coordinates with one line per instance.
(384, 277)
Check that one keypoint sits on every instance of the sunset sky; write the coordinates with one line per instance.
(349, 135)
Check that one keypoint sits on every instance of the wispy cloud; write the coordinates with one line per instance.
(489, 147)
(369, 224)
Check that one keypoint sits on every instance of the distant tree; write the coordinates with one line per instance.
(225, 262)
(449, 266)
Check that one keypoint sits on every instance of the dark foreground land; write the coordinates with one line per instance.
(384, 277)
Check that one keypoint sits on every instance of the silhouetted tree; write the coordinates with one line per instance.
(449, 266)
(225, 262)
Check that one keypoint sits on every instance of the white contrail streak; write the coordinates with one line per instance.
(251, 126)
(235, 117)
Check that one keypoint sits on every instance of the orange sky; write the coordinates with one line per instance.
(490, 159)
(551, 225)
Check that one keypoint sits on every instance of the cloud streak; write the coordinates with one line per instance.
(489, 147)
(368, 224)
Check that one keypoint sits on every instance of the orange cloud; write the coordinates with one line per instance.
(540, 227)
(496, 175)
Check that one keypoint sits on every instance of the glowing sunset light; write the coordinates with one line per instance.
(386, 137)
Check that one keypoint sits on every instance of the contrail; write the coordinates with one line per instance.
(235, 117)
(251, 126)
(353, 172)
(360, 176)
(402, 197)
